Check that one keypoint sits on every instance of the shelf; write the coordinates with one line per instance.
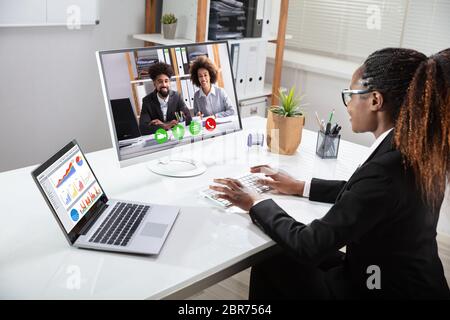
(271, 38)
(198, 12)
(267, 91)
(159, 39)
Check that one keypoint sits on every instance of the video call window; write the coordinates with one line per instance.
(201, 104)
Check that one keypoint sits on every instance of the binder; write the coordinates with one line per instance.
(259, 18)
(185, 93)
(234, 59)
(250, 7)
(161, 55)
(167, 56)
(179, 62)
(252, 67)
(255, 17)
(241, 73)
(192, 91)
(185, 60)
(261, 70)
(256, 67)
(267, 23)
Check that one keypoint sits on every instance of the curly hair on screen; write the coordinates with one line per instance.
(160, 68)
(205, 63)
(416, 92)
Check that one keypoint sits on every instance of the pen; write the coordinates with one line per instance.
(331, 116)
(333, 128)
(327, 130)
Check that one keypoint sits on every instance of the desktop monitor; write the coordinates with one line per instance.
(140, 127)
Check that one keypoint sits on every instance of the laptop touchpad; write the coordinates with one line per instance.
(152, 229)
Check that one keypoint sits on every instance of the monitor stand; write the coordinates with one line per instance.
(176, 167)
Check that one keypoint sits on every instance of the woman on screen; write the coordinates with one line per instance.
(210, 100)
(386, 214)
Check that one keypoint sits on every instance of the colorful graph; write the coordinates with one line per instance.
(74, 215)
(79, 161)
(89, 199)
(69, 172)
(68, 199)
(80, 185)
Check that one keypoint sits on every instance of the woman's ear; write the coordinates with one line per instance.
(376, 101)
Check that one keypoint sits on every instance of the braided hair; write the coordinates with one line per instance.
(416, 92)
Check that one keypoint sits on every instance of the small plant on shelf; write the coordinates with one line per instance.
(169, 25)
(169, 18)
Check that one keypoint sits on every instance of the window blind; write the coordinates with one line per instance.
(353, 28)
(427, 26)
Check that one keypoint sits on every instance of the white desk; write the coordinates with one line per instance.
(205, 245)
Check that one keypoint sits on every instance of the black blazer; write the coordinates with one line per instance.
(380, 216)
(151, 110)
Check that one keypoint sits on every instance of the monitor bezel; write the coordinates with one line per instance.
(107, 100)
(72, 235)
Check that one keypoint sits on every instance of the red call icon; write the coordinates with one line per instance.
(210, 124)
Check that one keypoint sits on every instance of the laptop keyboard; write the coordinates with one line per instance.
(120, 224)
(250, 181)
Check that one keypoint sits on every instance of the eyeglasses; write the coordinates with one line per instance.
(347, 94)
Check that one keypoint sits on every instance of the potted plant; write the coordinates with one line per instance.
(285, 123)
(169, 25)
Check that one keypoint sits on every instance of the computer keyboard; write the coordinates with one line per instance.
(249, 181)
(120, 225)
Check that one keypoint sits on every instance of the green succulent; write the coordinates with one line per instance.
(169, 18)
(290, 104)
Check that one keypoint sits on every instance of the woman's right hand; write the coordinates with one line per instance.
(279, 181)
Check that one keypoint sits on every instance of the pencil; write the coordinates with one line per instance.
(318, 121)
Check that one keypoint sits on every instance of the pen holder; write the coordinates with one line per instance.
(327, 146)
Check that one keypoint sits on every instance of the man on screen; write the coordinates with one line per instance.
(163, 108)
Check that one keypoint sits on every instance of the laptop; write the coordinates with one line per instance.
(88, 218)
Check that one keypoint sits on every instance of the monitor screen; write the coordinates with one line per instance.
(161, 97)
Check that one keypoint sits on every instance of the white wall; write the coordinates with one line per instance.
(322, 94)
(50, 90)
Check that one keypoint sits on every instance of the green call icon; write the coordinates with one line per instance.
(195, 127)
(161, 135)
(178, 131)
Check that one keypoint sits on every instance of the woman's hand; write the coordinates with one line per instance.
(233, 191)
(279, 181)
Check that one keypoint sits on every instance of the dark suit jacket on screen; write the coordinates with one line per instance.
(151, 110)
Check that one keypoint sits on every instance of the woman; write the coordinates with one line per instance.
(386, 214)
(210, 100)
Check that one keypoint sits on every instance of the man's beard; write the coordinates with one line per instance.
(163, 93)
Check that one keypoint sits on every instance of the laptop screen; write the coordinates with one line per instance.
(69, 185)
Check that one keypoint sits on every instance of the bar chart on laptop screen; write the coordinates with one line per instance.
(75, 186)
